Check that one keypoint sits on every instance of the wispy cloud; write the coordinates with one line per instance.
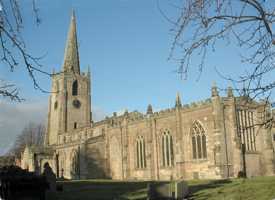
(13, 118)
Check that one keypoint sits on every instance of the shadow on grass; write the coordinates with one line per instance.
(193, 189)
(96, 189)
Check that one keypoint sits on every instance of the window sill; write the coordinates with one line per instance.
(199, 160)
(140, 169)
(168, 167)
(251, 152)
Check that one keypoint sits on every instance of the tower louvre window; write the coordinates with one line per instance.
(75, 88)
(55, 105)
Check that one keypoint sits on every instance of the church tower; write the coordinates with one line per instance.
(70, 100)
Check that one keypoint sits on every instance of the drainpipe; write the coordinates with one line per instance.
(225, 141)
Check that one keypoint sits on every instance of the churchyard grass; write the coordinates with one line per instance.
(258, 188)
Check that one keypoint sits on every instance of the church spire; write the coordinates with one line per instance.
(71, 57)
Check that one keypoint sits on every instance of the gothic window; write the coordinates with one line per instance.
(75, 88)
(75, 125)
(198, 138)
(246, 129)
(167, 149)
(140, 152)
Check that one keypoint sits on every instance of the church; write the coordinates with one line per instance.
(210, 139)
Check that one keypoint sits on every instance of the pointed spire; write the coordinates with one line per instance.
(71, 57)
(149, 109)
(178, 101)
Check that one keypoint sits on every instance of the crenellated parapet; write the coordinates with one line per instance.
(79, 135)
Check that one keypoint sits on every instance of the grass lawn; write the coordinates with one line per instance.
(259, 188)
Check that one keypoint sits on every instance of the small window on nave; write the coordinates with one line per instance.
(198, 138)
(75, 88)
(167, 149)
(140, 153)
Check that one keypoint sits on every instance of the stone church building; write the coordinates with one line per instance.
(201, 140)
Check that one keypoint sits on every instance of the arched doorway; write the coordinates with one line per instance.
(75, 165)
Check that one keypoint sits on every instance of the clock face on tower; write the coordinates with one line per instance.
(76, 103)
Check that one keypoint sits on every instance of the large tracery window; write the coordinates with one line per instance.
(75, 88)
(167, 149)
(141, 153)
(246, 128)
(198, 141)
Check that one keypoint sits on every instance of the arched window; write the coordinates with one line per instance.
(75, 88)
(246, 128)
(198, 141)
(140, 152)
(167, 149)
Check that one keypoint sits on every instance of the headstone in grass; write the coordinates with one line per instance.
(168, 190)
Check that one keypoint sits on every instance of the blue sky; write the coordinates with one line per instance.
(126, 43)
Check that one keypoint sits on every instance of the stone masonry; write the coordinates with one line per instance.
(201, 140)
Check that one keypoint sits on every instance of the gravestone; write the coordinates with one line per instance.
(181, 189)
(168, 190)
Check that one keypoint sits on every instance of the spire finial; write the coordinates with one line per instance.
(178, 100)
(71, 57)
(73, 14)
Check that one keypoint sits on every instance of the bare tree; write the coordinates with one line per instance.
(13, 48)
(248, 24)
(32, 134)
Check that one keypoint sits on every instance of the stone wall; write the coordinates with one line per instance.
(108, 149)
